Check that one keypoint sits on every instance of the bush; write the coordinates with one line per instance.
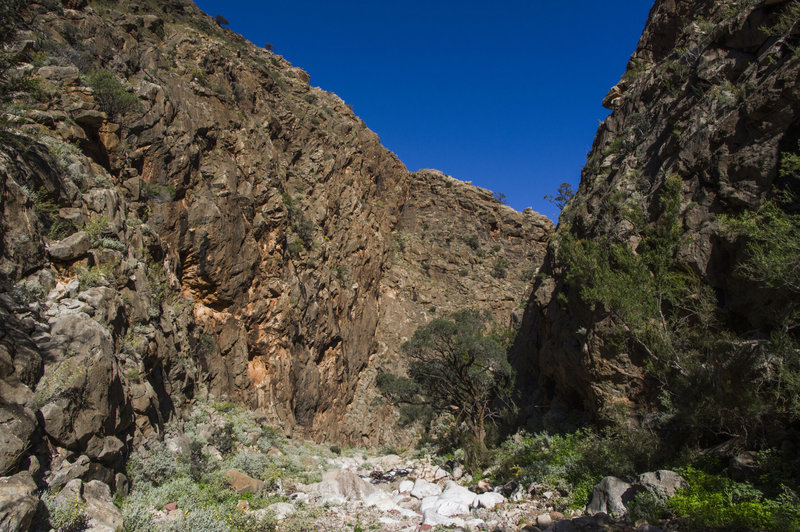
(152, 465)
(573, 463)
(254, 464)
(110, 95)
(715, 501)
(67, 516)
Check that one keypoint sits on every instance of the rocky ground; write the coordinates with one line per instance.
(219, 467)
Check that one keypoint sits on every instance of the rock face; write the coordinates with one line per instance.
(712, 99)
(212, 224)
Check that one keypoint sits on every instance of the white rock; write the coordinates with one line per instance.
(281, 510)
(300, 497)
(334, 500)
(428, 502)
(381, 500)
(439, 474)
(388, 521)
(405, 512)
(431, 517)
(488, 500)
(450, 508)
(423, 488)
(459, 494)
(405, 486)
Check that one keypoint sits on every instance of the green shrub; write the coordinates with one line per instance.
(472, 241)
(649, 505)
(110, 95)
(66, 516)
(152, 464)
(715, 501)
(500, 267)
(573, 463)
(254, 464)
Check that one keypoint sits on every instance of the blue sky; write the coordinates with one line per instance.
(506, 95)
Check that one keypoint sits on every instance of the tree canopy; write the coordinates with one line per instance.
(454, 367)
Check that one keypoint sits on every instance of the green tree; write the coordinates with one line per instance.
(454, 367)
(563, 195)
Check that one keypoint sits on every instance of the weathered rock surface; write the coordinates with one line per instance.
(611, 496)
(18, 502)
(235, 232)
(708, 98)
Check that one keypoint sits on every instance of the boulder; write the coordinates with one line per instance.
(611, 496)
(73, 247)
(663, 482)
(281, 510)
(405, 486)
(103, 513)
(488, 500)
(458, 494)
(242, 483)
(18, 502)
(343, 483)
(380, 500)
(422, 488)
(67, 472)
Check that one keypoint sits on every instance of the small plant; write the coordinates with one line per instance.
(66, 516)
(500, 267)
(111, 96)
(472, 241)
(222, 21)
(636, 68)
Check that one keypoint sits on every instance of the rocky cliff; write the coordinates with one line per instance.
(184, 214)
(710, 100)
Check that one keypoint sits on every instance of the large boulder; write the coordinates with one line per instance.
(611, 496)
(18, 502)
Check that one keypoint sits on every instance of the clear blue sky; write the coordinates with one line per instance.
(504, 94)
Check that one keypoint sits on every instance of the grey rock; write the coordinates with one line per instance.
(68, 471)
(18, 502)
(344, 484)
(103, 514)
(610, 496)
(73, 247)
(281, 510)
(662, 481)
(60, 74)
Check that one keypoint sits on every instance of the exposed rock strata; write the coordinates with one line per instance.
(708, 97)
(233, 232)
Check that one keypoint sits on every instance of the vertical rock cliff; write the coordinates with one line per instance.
(710, 100)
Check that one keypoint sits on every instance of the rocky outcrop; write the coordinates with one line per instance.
(184, 214)
(710, 96)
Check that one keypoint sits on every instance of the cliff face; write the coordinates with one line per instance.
(183, 213)
(710, 96)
